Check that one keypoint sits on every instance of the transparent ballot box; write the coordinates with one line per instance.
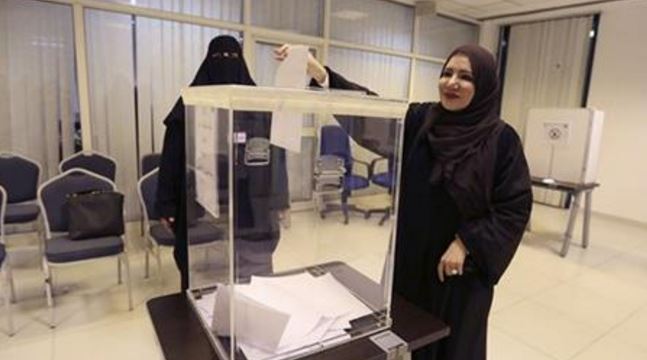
(291, 206)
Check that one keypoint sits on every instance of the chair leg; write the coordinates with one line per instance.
(146, 262)
(128, 281)
(119, 281)
(40, 234)
(158, 258)
(7, 299)
(344, 207)
(384, 218)
(48, 292)
(10, 282)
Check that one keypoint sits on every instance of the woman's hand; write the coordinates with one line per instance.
(168, 223)
(314, 69)
(451, 263)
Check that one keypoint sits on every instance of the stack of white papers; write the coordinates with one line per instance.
(277, 316)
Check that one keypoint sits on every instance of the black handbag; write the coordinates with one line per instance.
(94, 214)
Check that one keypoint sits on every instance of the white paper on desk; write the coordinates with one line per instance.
(330, 338)
(206, 168)
(340, 297)
(323, 293)
(303, 319)
(206, 305)
(306, 288)
(291, 73)
(256, 324)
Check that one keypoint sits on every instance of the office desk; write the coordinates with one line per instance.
(181, 335)
(576, 191)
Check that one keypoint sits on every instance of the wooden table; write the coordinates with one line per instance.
(576, 191)
(182, 336)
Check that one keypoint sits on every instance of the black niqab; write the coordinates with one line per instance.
(223, 64)
(464, 142)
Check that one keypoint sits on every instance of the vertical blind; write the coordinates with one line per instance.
(38, 96)
(546, 67)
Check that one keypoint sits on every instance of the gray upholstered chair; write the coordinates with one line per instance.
(5, 270)
(20, 177)
(150, 162)
(59, 249)
(201, 233)
(93, 161)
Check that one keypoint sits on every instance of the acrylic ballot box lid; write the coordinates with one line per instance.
(259, 98)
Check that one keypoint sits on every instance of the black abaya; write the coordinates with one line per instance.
(264, 188)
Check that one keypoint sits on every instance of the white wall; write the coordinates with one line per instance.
(619, 88)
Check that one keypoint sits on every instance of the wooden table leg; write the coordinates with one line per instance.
(587, 218)
(571, 223)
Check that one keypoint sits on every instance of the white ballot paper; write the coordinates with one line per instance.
(276, 316)
(206, 166)
(256, 324)
(291, 73)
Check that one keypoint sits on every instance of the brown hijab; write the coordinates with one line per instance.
(463, 143)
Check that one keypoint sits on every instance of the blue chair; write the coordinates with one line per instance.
(4, 263)
(59, 249)
(93, 161)
(20, 177)
(385, 179)
(335, 142)
(202, 234)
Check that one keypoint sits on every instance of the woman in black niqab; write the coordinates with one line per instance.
(223, 64)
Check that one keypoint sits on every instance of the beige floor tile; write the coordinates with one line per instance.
(542, 259)
(586, 305)
(543, 328)
(633, 330)
(609, 348)
(630, 268)
(526, 280)
(628, 293)
(505, 297)
(33, 349)
(129, 337)
(504, 347)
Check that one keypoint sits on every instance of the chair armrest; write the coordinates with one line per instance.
(367, 165)
(374, 164)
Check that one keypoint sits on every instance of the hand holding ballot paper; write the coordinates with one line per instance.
(291, 73)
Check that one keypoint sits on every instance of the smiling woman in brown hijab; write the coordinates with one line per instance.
(465, 199)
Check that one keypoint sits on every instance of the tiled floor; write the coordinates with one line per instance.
(590, 305)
